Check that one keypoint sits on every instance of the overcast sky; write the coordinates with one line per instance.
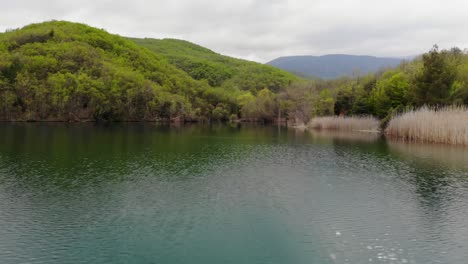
(263, 30)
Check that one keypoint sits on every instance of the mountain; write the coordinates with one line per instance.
(333, 66)
(64, 71)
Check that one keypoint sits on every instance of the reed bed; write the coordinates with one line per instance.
(366, 123)
(447, 125)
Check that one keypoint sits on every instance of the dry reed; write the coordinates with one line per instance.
(447, 125)
(366, 123)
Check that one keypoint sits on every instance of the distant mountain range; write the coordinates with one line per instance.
(333, 66)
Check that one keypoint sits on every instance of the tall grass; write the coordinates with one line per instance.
(446, 125)
(366, 123)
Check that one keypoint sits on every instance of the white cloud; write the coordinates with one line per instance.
(265, 29)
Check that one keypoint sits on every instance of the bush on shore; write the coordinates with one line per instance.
(448, 125)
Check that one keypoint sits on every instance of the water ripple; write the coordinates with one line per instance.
(227, 195)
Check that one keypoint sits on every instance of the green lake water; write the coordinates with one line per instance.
(134, 193)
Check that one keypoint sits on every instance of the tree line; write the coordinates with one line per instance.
(437, 78)
(72, 72)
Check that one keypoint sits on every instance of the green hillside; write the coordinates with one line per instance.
(218, 70)
(64, 71)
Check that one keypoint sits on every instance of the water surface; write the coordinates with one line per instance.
(134, 193)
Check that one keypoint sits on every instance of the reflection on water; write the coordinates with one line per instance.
(438, 171)
(445, 155)
(142, 193)
(334, 135)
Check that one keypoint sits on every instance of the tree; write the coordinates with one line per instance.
(343, 102)
(220, 112)
(433, 84)
(390, 93)
(324, 104)
(266, 102)
(459, 90)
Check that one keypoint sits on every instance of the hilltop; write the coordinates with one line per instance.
(218, 70)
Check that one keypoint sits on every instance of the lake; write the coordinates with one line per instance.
(142, 193)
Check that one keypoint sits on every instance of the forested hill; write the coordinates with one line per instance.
(333, 66)
(67, 71)
(203, 64)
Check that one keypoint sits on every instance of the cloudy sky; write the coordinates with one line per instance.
(262, 30)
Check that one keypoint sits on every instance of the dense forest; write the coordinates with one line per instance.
(62, 71)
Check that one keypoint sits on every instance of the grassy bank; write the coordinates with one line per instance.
(367, 123)
(447, 125)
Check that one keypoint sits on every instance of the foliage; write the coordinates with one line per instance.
(262, 107)
(324, 104)
(437, 78)
(433, 84)
(390, 92)
(218, 70)
(297, 101)
(70, 72)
